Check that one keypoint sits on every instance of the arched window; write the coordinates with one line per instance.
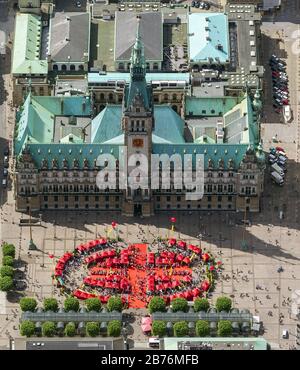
(174, 97)
(104, 68)
(55, 67)
(147, 66)
(102, 96)
(72, 67)
(121, 66)
(166, 97)
(155, 66)
(81, 67)
(110, 97)
(63, 67)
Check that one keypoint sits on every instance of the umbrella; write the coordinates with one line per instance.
(111, 253)
(146, 327)
(196, 292)
(146, 320)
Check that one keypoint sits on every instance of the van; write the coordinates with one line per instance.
(277, 169)
(154, 342)
(277, 178)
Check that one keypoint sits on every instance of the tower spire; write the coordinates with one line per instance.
(137, 61)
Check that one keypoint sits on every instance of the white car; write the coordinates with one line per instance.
(287, 113)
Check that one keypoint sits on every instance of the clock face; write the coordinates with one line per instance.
(138, 143)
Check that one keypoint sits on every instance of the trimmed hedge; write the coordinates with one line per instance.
(202, 328)
(179, 304)
(157, 304)
(115, 304)
(201, 304)
(27, 328)
(7, 271)
(114, 328)
(71, 304)
(223, 304)
(28, 304)
(159, 328)
(8, 250)
(224, 328)
(93, 329)
(48, 329)
(50, 304)
(181, 329)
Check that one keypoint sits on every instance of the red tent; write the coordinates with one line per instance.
(175, 284)
(187, 279)
(102, 241)
(165, 278)
(196, 292)
(158, 261)
(181, 244)
(205, 285)
(100, 283)
(111, 253)
(205, 257)
(186, 260)
(172, 242)
(179, 257)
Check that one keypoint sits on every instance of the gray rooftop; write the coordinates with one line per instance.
(69, 37)
(151, 29)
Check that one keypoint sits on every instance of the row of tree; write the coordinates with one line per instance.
(158, 304)
(7, 270)
(71, 304)
(181, 328)
(49, 329)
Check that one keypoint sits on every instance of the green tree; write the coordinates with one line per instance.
(224, 328)
(115, 304)
(223, 304)
(114, 328)
(70, 329)
(157, 304)
(50, 304)
(27, 328)
(48, 329)
(159, 328)
(93, 304)
(71, 304)
(180, 304)
(201, 304)
(93, 329)
(7, 271)
(181, 329)
(28, 304)
(6, 283)
(7, 261)
(9, 250)
(202, 328)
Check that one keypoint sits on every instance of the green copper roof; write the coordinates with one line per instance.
(36, 120)
(27, 44)
(168, 125)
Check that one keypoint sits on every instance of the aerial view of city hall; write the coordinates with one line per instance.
(108, 111)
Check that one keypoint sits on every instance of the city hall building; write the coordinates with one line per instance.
(58, 140)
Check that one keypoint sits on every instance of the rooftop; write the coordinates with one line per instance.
(97, 78)
(27, 46)
(208, 37)
(214, 343)
(151, 30)
(69, 37)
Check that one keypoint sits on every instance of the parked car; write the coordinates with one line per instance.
(4, 183)
(6, 151)
(277, 178)
(5, 172)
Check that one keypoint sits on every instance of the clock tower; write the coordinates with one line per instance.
(137, 125)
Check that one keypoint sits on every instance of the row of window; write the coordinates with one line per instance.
(229, 206)
(76, 198)
(179, 198)
(87, 206)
